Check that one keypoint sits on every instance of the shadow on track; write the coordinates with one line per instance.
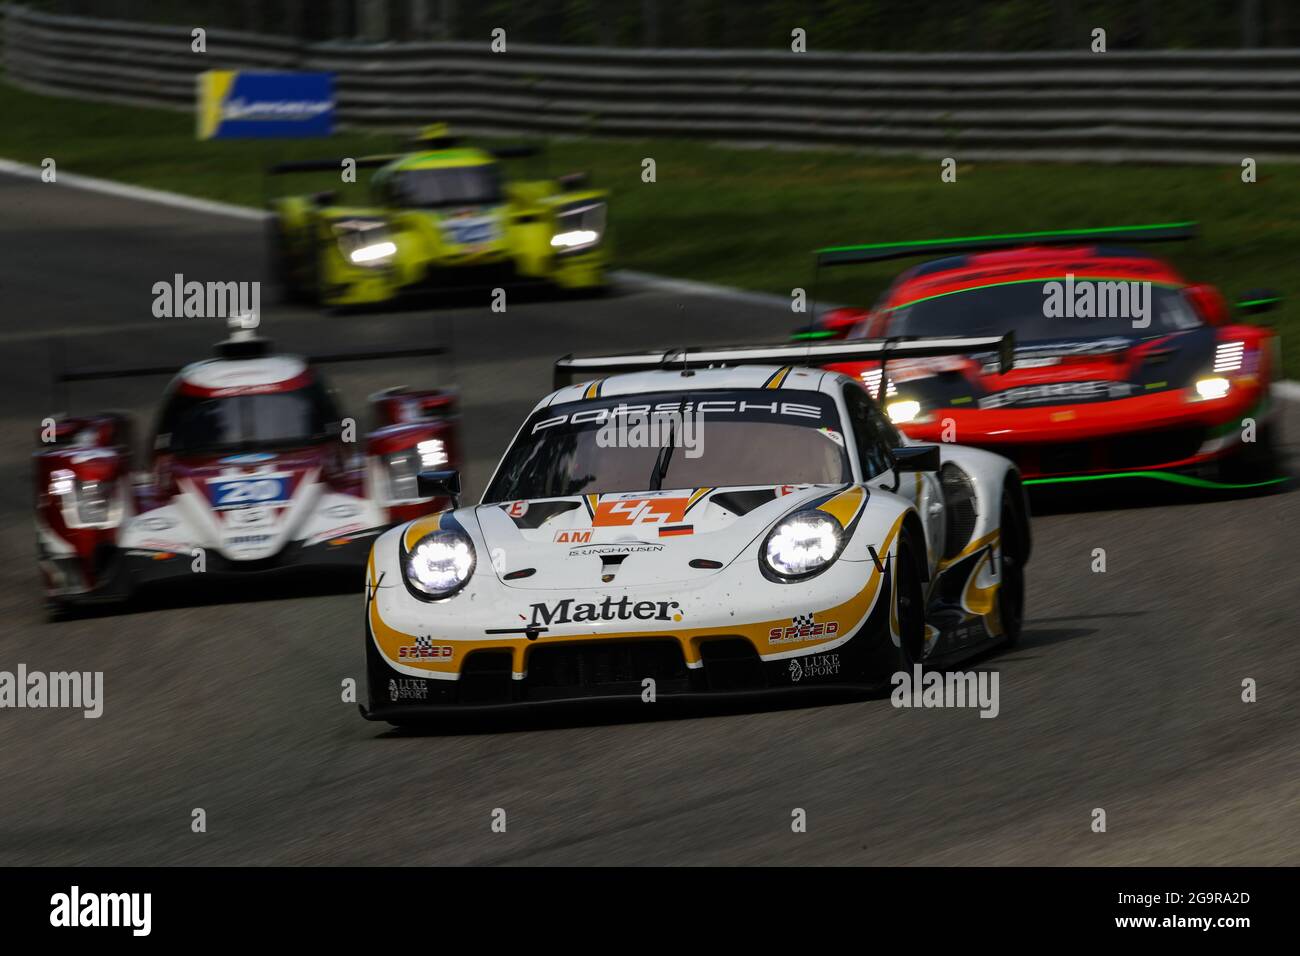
(196, 593)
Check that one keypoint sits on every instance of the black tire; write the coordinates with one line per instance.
(883, 659)
(1011, 590)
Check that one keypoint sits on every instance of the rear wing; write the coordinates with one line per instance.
(884, 251)
(570, 369)
(234, 347)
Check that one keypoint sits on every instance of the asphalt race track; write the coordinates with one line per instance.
(1125, 694)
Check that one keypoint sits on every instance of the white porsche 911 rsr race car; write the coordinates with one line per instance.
(699, 529)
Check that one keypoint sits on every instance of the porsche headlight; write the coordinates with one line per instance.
(440, 563)
(802, 544)
(364, 242)
(578, 227)
(903, 411)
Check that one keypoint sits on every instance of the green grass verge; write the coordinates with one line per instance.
(748, 218)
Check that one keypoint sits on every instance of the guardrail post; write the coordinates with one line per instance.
(373, 17)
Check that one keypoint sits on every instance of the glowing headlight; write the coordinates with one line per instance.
(93, 501)
(440, 563)
(373, 253)
(433, 454)
(86, 504)
(1216, 386)
(578, 237)
(902, 412)
(403, 467)
(364, 242)
(578, 227)
(802, 544)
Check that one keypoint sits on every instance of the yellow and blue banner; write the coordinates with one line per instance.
(237, 104)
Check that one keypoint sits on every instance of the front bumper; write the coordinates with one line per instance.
(678, 662)
(1162, 431)
(643, 670)
(349, 285)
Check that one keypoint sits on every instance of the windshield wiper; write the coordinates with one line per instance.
(661, 461)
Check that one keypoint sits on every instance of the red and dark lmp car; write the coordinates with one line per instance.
(251, 469)
(1121, 367)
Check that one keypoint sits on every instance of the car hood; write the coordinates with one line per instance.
(633, 538)
(1065, 372)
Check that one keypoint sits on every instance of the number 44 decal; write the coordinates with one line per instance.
(630, 511)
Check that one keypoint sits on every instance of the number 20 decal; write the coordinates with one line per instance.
(234, 493)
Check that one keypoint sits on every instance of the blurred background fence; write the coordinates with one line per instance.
(1006, 26)
(1161, 105)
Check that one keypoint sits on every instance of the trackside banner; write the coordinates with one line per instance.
(235, 104)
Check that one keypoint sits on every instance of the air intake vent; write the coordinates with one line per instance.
(959, 495)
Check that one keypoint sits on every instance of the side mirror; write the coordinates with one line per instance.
(1210, 303)
(916, 458)
(440, 484)
(1255, 301)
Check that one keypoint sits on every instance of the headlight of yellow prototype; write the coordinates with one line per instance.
(578, 227)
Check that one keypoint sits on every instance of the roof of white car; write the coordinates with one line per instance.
(693, 380)
(233, 375)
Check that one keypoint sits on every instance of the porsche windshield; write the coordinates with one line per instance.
(199, 424)
(662, 441)
(451, 186)
(1111, 307)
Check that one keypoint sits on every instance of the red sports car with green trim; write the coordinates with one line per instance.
(1122, 367)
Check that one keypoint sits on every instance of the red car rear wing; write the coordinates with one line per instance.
(884, 251)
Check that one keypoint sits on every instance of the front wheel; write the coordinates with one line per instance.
(1011, 591)
(884, 658)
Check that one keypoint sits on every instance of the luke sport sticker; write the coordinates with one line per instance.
(817, 666)
(404, 688)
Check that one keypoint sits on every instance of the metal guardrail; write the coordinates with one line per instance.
(1166, 106)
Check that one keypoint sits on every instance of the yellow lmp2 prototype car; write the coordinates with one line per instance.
(442, 217)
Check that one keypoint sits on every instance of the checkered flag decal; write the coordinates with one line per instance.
(802, 620)
(424, 643)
